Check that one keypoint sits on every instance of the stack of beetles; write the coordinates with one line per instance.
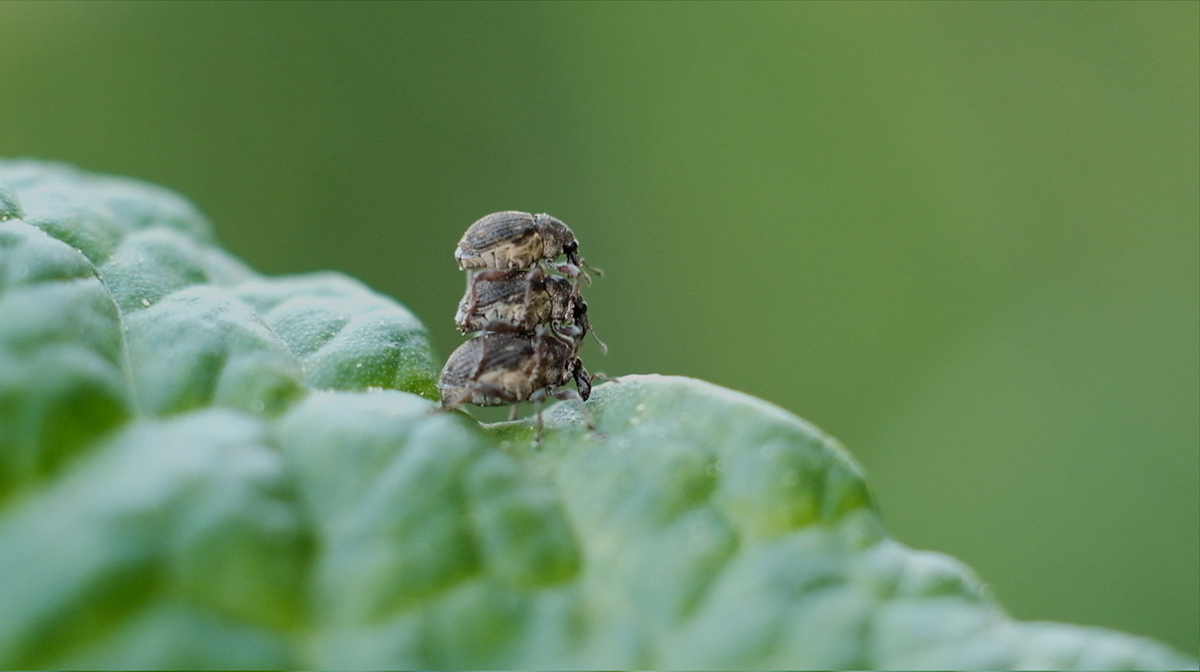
(527, 312)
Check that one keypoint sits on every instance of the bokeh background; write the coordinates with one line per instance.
(963, 238)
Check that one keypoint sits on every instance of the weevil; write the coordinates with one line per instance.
(519, 301)
(511, 239)
(500, 369)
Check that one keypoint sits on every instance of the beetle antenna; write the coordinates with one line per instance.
(595, 270)
(600, 343)
(579, 264)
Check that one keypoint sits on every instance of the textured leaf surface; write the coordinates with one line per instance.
(204, 467)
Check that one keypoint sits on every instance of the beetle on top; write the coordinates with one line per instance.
(512, 239)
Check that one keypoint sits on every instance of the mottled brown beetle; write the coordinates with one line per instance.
(511, 239)
(519, 301)
(496, 369)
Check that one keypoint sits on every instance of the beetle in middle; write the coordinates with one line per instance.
(519, 301)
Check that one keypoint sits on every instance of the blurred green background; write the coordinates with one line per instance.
(963, 238)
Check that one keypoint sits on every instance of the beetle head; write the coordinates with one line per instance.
(580, 314)
(557, 238)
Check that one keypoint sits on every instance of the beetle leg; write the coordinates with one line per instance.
(501, 328)
(568, 335)
(454, 402)
(566, 394)
(538, 347)
(537, 276)
(463, 395)
(483, 357)
(580, 263)
(512, 412)
(574, 272)
(471, 294)
(491, 274)
(537, 438)
(488, 275)
(538, 398)
(583, 379)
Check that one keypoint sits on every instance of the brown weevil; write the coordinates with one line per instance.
(499, 369)
(511, 239)
(518, 301)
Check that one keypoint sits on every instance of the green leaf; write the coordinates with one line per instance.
(203, 467)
